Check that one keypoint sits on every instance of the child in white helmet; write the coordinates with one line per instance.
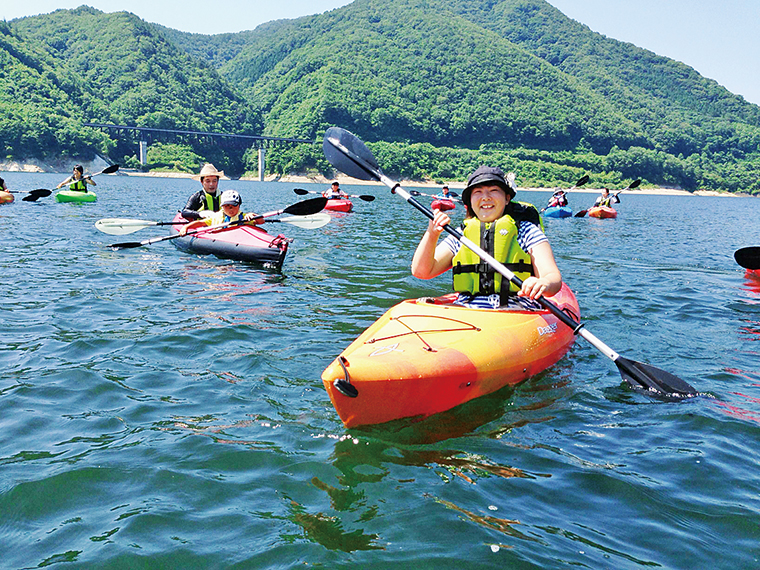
(230, 213)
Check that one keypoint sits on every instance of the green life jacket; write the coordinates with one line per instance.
(78, 185)
(498, 239)
(210, 202)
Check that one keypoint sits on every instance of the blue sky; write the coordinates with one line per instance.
(717, 38)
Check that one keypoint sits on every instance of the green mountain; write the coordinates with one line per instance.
(435, 86)
(40, 106)
(511, 74)
(420, 75)
(136, 75)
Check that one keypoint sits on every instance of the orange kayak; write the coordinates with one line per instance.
(602, 212)
(426, 356)
(5, 197)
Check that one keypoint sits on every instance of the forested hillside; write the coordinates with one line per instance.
(40, 105)
(135, 75)
(435, 86)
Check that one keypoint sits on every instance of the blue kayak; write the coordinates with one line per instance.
(558, 212)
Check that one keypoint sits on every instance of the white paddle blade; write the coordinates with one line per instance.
(311, 222)
(121, 226)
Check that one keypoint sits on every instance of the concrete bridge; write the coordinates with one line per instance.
(147, 135)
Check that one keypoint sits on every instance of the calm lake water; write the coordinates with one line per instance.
(163, 410)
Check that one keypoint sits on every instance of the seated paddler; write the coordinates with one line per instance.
(230, 202)
(206, 200)
(508, 230)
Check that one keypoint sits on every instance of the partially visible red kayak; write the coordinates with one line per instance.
(242, 243)
(602, 212)
(442, 204)
(5, 197)
(339, 205)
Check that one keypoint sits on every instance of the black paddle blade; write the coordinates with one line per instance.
(300, 191)
(367, 197)
(350, 155)
(126, 245)
(34, 195)
(110, 169)
(581, 214)
(642, 376)
(582, 180)
(306, 207)
(748, 257)
(635, 183)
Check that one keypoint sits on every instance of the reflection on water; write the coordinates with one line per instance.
(328, 531)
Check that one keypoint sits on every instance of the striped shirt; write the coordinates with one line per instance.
(528, 236)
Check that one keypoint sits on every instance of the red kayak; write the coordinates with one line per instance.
(602, 212)
(442, 204)
(242, 243)
(339, 205)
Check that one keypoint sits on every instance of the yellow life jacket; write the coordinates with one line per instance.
(499, 239)
(220, 218)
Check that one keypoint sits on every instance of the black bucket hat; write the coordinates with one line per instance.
(483, 174)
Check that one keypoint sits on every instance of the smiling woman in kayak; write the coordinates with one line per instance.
(509, 231)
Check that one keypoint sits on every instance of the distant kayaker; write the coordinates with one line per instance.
(78, 181)
(558, 199)
(3, 187)
(230, 202)
(334, 193)
(508, 230)
(207, 198)
(606, 199)
(444, 194)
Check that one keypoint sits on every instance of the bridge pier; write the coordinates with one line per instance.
(143, 153)
(262, 154)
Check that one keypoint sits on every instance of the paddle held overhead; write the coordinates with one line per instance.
(349, 154)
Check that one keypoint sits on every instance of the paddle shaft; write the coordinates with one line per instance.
(396, 188)
(359, 162)
(129, 245)
(107, 170)
(578, 328)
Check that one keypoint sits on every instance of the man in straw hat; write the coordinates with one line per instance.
(207, 198)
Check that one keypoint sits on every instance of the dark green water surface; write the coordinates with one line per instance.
(163, 410)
